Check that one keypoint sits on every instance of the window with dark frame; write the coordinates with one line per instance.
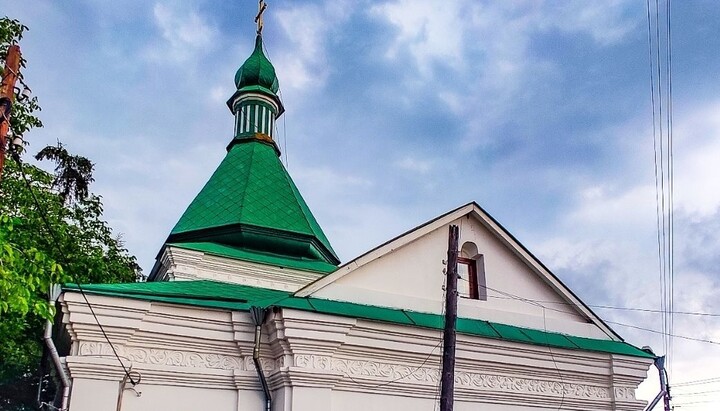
(467, 278)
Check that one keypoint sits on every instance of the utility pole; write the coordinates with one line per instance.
(447, 381)
(7, 97)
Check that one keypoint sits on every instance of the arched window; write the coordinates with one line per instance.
(471, 273)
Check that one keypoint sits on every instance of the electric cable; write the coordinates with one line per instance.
(402, 377)
(533, 302)
(610, 307)
(552, 356)
(694, 394)
(664, 333)
(698, 382)
(671, 177)
(657, 167)
(436, 402)
(664, 268)
(61, 255)
(663, 157)
(267, 54)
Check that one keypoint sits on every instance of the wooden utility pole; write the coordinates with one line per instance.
(7, 96)
(447, 381)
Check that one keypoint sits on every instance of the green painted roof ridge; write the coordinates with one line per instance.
(269, 297)
(308, 216)
(289, 184)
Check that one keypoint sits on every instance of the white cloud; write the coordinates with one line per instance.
(478, 54)
(448, 32)
(328, 180)
(627, 209)
(696, 151)
(219, 93)
(303, 62)
(605, 21)
(185, 32)
(606, 247)
(415, 165)
(430, 31)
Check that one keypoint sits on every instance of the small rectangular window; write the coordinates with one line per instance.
(471, 278)
(467, 278)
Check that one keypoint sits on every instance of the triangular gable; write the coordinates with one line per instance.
(406, 272)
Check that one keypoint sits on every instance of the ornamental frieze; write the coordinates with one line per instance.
(624, 393)
(430, 376)
(163, 357)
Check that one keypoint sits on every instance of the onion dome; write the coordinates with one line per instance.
(257, 71)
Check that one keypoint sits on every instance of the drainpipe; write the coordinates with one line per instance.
(664, 387)
(54, 294)
(258, 316)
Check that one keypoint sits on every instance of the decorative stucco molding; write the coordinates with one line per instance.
(489, 382)
(165, 357)
(624, 393)
(267, 364)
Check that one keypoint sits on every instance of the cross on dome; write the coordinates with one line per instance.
(259, 18)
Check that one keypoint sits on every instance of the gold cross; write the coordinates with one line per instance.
(259, 18)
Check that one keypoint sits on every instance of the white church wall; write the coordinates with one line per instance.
(165, 397)
(191, 358)
(411, 277)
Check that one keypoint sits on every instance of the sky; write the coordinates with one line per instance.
(400, 110)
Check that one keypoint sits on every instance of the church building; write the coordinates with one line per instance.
(249, 308)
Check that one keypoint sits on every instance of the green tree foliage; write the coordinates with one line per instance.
(51, 231)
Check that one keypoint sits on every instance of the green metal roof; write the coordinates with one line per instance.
(257, 70)
(250, 202)
(211, 294)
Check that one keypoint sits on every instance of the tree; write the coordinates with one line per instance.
(51, 231)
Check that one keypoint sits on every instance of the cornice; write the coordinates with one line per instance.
(183, 264)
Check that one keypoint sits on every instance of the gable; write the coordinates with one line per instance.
(407, 273)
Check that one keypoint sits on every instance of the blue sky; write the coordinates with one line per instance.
(398, 111)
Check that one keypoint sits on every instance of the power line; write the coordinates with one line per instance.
(410, 371)
(698, 382)
(671, 174)
(538, 304)
(42, 212)
(663, 158)
(601, 306)
(693, 394)
(267, 54)
(664, 333)
(637, 309)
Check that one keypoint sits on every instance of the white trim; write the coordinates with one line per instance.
(263, 111)
(255, 96)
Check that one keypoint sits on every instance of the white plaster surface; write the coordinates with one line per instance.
(411, 277)
(202, 360)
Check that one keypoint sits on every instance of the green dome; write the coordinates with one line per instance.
(257, 71)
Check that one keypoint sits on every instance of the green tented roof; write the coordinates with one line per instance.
(211, 294)
(251, 202)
